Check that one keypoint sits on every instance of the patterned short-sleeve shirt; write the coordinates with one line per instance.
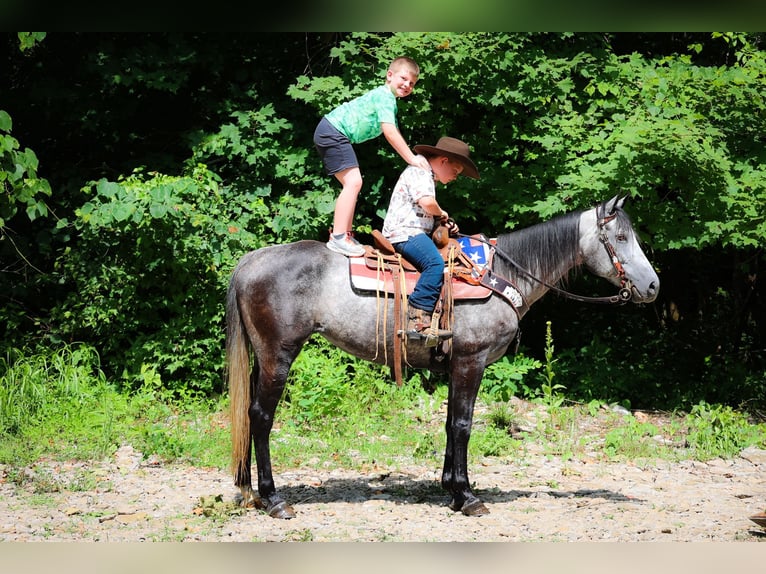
(405, 218)
(359, 119)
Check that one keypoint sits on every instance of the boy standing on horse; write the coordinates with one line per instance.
(356, 121)
(411, 217)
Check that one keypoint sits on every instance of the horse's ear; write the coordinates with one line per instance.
(616, 203)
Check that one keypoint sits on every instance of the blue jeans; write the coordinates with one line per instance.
(421, 251)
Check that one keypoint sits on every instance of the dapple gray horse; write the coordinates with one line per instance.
(280, 295)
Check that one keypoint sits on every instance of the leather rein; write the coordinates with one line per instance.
(623, 295)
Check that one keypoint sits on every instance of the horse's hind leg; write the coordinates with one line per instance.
(272, 376)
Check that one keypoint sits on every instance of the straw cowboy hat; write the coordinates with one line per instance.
(453, 149)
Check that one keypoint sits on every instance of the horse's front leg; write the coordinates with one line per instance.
(464, 385)
(267, 394)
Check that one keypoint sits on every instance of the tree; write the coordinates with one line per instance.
(556, 122)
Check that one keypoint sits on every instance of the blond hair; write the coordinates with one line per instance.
(404, 62)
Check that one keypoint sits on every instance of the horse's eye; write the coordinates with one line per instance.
(621, 237)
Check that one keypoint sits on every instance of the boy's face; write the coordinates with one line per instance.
(445, 170)
(401, 81)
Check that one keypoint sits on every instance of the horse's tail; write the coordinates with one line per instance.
(238, 369)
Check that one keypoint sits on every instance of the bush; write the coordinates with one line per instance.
(149, 272)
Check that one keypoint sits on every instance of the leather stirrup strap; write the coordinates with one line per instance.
(398, 341)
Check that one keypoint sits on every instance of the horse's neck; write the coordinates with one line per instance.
(551, 259)
(533, 290)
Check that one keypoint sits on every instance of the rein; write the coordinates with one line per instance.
(624, 294)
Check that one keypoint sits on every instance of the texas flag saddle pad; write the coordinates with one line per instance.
(366, 276)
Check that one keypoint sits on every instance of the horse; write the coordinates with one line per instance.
(280, 295)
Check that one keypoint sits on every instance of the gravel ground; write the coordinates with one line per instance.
(129, 499)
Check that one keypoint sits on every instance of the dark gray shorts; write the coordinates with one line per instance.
(334, 148)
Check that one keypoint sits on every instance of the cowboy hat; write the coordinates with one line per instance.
(453, 149)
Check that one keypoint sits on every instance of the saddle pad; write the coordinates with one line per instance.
(364, 278)
(476, 250)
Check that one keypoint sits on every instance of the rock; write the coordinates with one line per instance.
(754, 455)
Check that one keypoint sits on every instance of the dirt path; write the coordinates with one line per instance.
(128, 499)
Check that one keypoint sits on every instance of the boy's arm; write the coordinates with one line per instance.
(394, 137)
(432, 208)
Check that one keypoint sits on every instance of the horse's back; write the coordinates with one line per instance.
(286, 266)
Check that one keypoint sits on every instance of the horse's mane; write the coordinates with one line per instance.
(541, 248)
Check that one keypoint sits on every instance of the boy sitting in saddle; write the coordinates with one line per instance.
(411, 217)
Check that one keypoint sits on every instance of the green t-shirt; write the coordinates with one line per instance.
(359, 119)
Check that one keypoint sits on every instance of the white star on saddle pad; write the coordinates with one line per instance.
(476, 250)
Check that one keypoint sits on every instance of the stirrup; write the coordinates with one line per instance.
(429, 332)
(430, 339)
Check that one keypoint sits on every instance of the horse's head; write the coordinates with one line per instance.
(610, 249)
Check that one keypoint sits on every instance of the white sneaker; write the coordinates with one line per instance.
(347, 246)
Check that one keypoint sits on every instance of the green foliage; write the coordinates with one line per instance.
(501, 416)
(20, 184)
(350, 411)
(685, 362)
(719, 431)
(602, 371)
(707, 432)
(326, 384)
(492, 441)
(149, 272)
(550, 393)
(190, 429)
(632, 440)
(505, 378)
(59, 404)
(320, 380)
(28, 40)
(556, 121)
(256, 153)
(58, 399)
(215, 507)
(561, 428)
(495, 437)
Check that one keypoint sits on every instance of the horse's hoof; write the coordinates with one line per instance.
(281, 510)
(474, 507)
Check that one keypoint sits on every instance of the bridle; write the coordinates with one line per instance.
(623, 295)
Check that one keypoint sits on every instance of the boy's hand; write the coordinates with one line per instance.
(451, 227)
(422, 163)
